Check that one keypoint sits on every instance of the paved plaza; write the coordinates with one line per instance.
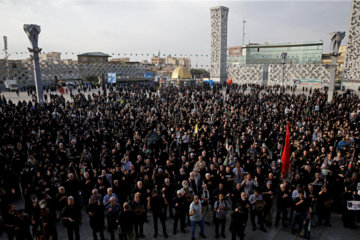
(336, 232)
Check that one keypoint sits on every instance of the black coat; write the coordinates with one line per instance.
(97, 220)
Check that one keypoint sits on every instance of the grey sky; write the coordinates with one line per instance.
(146, 27)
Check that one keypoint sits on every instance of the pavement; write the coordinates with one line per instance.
(336, 232)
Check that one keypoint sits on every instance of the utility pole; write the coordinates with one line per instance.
(243, 37)
(7, 55)
(283, 62)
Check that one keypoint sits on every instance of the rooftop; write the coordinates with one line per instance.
(283, 44)
(94, 54)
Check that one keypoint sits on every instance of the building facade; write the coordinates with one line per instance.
(50, 57)
(297, 53)
(93, 57)
(124, 59)
(68, 61)
(326, 60)
(178, 61)
(157, 60)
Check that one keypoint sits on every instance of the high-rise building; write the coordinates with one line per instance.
(297, 53)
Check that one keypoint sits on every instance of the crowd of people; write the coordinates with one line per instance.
(199, 155)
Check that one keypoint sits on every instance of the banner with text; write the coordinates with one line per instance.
(308, 82)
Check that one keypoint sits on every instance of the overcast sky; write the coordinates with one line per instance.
(171, 27)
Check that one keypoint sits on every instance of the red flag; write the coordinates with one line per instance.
(285, 158)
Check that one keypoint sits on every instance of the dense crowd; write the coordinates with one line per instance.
(193, 154)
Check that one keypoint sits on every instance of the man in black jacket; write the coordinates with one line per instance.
(245, 206)
(157, 205)
(268, 196)
(179, 203)
(168, 190)
(126, 220)
(96, 215)
(71, 215)
(139, 209)
(22, 226)
(300, 210)
(237, 225)
(283, 205)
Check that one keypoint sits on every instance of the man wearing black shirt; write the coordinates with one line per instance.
(301, 208)
(245, 206)
(139, 209)
(96, 214)
(235, 195)
(49, 220)
(157, 204)
(283, 205)
(71, 216)
(168, 189)
(268, 196)
(126, 219)
(179, 203)
(9, 221)
(22, 226)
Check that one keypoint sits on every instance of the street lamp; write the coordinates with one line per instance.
(33, 32)
(283, 60)
(336, 38)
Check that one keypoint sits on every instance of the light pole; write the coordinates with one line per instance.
(336, 38)
(33, 32)
(243, 37)
(342, 78)
(283, 61)
(7, 55)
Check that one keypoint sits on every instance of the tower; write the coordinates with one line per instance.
(352, 56)
(219, 20)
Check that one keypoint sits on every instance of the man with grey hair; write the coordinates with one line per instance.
(112, 212)
(61, 199)
(71, 215)
(179, 203)
(126, 220)
(169, 190)
(96, 194)
(188, 194)
(107, 197)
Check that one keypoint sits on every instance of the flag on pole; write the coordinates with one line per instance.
(285, 158)
(226, 160)
(227, 143)
(196, 129)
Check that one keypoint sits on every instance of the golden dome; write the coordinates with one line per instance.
(181, 71)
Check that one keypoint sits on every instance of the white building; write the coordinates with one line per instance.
(51, 57)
